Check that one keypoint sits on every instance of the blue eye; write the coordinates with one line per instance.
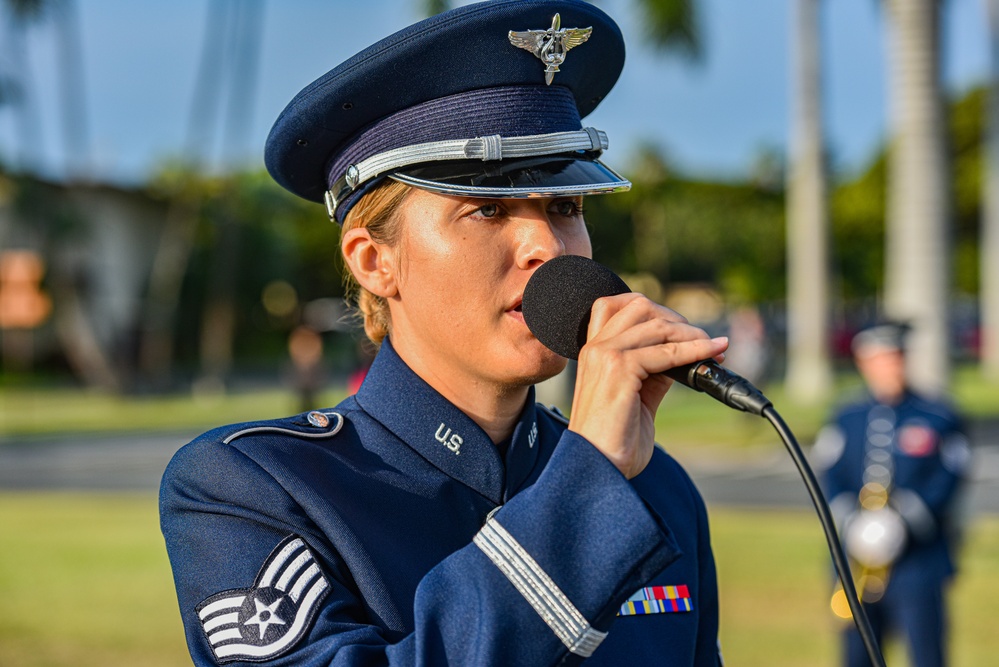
(489, 210)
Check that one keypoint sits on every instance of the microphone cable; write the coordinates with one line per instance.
(832, 538)
(739, 394)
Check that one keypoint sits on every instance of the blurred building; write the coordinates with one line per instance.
(96, 243)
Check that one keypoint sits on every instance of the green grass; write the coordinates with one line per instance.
(774, 576)
(84, 580)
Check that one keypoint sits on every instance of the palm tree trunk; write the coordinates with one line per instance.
(76, 129)
(809, 374)
(917, 252)
(29, 131)
(990, 207)
(173, 253)
(218, 322)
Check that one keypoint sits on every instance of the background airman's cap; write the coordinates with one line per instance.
(886, 335)
(485, 100)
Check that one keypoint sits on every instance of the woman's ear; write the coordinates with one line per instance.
(372, 263)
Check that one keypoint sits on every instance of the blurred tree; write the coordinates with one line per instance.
(809, 369)
(859, 205)
(73, 102)
(228, 67)
(218, 323)
(434, 7)
(19, 15)
(183, 185)
(858, 209)
(990, 215)
(22, 14)
(672, 26)
(185, 189)
(282, 238)
(918, 240)
(729, 235)
(57, 229)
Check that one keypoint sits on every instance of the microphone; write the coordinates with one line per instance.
(556, 307)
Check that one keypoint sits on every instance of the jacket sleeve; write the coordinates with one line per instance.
(539, 584)
(927, 497)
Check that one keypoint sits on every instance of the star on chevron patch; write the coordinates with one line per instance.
(266, 620)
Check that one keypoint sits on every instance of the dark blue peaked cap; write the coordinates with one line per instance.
(889, 335)
(452, 78)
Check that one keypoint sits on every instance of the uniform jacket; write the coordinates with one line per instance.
(918, 451)
(389, 530)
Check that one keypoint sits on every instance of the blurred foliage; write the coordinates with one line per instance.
(434, 7)
(730, 235)
(727, 236)
(673, 26)
(282, 237)
(858, 209)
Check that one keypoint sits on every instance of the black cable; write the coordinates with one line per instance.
(835, 547)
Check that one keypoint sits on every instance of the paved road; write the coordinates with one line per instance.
(92, 462)
(135, 462)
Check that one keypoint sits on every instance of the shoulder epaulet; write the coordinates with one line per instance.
(554, 412)
(312, 425)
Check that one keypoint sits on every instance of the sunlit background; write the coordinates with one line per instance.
(801, 168)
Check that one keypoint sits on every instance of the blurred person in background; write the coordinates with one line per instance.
(892, 464)
(440, 515)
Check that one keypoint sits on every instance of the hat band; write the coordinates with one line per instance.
(493, 147)
(514, 193)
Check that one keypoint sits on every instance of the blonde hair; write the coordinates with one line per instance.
(377, 212)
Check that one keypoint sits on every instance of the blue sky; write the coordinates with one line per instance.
(713, 118)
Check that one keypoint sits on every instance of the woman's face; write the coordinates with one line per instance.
(461, 270)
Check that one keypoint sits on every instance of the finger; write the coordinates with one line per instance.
(645, 334)
(651, 359)
(670, 355)
(620, 312)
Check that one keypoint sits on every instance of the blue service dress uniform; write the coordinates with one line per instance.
(390, 530)
(917, 451)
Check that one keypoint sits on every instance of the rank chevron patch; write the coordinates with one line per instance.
(264, 621)
(658, 600)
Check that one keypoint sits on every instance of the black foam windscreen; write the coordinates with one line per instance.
(558, 299)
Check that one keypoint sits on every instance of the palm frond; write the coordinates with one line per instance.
(672, 26)
(434, 7)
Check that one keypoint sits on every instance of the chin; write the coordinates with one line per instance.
(542, 367)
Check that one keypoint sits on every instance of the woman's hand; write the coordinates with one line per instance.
(619, 382)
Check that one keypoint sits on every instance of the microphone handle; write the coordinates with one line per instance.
(721, 384)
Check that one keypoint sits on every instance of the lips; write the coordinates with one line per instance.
(516, 310)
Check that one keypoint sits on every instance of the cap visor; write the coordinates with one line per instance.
(521, 178)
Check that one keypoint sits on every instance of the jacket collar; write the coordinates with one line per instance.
(442, 434)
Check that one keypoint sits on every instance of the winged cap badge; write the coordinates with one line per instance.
(550, 45)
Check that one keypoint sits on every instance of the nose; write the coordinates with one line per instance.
(537, 238)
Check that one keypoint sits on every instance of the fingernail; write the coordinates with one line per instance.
(720, 339)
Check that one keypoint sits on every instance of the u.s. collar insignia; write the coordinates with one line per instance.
(264, 621)
(550, 45)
